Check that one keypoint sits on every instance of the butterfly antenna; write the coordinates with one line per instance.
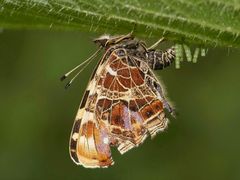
(84, 62)
(156, 43)
(71, 81)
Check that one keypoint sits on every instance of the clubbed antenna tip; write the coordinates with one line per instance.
(67, 85)
(63, 77)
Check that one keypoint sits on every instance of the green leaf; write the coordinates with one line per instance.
(204, 22)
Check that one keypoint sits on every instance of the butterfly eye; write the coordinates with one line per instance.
(121, 52)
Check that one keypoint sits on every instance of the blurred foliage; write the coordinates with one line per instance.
(204, 22)
(37, 114)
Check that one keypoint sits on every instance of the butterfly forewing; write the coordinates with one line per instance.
(132, 106)
(88, 145)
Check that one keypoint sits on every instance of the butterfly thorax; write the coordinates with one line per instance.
(130, 48)
(133, 47)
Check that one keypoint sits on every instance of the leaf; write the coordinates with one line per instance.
(204, 22)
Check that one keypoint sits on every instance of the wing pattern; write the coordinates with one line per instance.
(123, 103)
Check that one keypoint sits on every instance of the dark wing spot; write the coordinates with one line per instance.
(157, 86)
(133, 105)
(84, 99)
(116, 131)
(74, 156)
(149, 113)
(73, 144)
(76, 126)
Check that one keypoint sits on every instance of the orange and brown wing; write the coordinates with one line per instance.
(130, 101)
(89, 144)
(122, 105)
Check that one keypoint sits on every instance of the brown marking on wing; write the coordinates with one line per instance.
(137, 76)
(125, 82)
(133, 105)
(152, 109)
(76, 126)
(102, 109)
(141, 102)
(104, 104)
(124, 60)
(92, 151)
(157, 106)
(112, 57)
(124, 72)
(73, 155)
(118, 64)
(116, 131)
(149, 98)
(89, 129)
(118, 87)
(108, 80)
(147, 112)
(129, 134)
(73, 144)
(84, 100)
(127, 124)
(117, 115)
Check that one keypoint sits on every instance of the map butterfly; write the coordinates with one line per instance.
(124, 101)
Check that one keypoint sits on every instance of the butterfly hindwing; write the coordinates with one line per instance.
(129, 105)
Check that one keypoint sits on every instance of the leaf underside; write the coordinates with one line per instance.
(204, 22)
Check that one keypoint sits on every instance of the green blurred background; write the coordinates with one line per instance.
(37, 114)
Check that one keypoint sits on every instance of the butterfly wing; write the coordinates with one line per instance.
(131, 101)
(123, 103)
(89, 137)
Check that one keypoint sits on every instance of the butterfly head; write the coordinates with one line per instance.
(107, 40)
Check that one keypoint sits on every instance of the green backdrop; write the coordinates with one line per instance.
(37, 114)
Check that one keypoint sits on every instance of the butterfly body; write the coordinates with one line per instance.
(123, 103)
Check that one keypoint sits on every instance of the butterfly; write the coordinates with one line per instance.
(124, 101)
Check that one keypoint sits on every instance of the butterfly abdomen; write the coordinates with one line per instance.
(159, 60)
